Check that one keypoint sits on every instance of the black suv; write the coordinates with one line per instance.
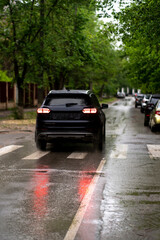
(70, 115)
(149, 107)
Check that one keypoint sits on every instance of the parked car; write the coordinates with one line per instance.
(154, 120)
(138, 99)
(149, 107)
(120, 95)
(70, 115)
(144, 101)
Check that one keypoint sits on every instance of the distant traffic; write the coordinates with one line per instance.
(149, 105)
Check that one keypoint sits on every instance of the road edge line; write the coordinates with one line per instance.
(73, 229)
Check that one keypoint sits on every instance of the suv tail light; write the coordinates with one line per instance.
(43, 110)
(157, 112)
(89, 110)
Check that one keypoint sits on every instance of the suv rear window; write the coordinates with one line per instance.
(154, 100)
(147, 96)
(64, 99)
(140, 95)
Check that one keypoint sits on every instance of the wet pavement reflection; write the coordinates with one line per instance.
(39, 198)
(129, 208)
(40, 193)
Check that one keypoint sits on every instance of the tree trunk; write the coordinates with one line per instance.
(40, 93)
(101, 91)
(90, 85)
(41, 89)
(59, 82)
(18, 112)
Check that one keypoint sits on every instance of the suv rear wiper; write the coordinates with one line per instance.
(70, 104)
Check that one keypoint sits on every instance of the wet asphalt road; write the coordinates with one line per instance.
(39, 198)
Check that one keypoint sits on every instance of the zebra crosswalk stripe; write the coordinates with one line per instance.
(8, 149)
(154, 151)
(119, 152)
(78, 155)
(36, 155)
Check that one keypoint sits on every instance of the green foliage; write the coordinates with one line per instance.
(59, 43)
(141, 39)
(18, 113)
(4, 77)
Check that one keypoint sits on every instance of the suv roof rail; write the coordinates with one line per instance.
(70, 91)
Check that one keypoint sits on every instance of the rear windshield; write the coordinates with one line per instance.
(154, 100)
(147, 96)
(139, 96)
(64, 99)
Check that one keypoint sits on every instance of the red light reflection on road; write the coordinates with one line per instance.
(40, 194)
(84, 183)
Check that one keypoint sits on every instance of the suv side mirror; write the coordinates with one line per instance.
(104, 106)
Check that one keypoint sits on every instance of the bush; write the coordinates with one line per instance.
(18, 113)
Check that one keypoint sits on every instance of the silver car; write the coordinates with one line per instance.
(144, 102)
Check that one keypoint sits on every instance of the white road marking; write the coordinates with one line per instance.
(78, 155)
(8, 149)
(52, 170)
(154, 151)
(73, 229)
(36, 155)
(120, 151)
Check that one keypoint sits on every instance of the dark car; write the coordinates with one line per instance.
(138, 99)
(149, 107)
(70, 115)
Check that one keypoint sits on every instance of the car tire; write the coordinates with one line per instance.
(145, 123)
(99, 140)
(41, 144)
(142, 111)
(153, 128)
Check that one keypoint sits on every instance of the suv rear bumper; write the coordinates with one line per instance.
(55, 136)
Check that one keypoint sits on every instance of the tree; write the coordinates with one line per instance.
(141, 37)
(42, 33)
(57, 43)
